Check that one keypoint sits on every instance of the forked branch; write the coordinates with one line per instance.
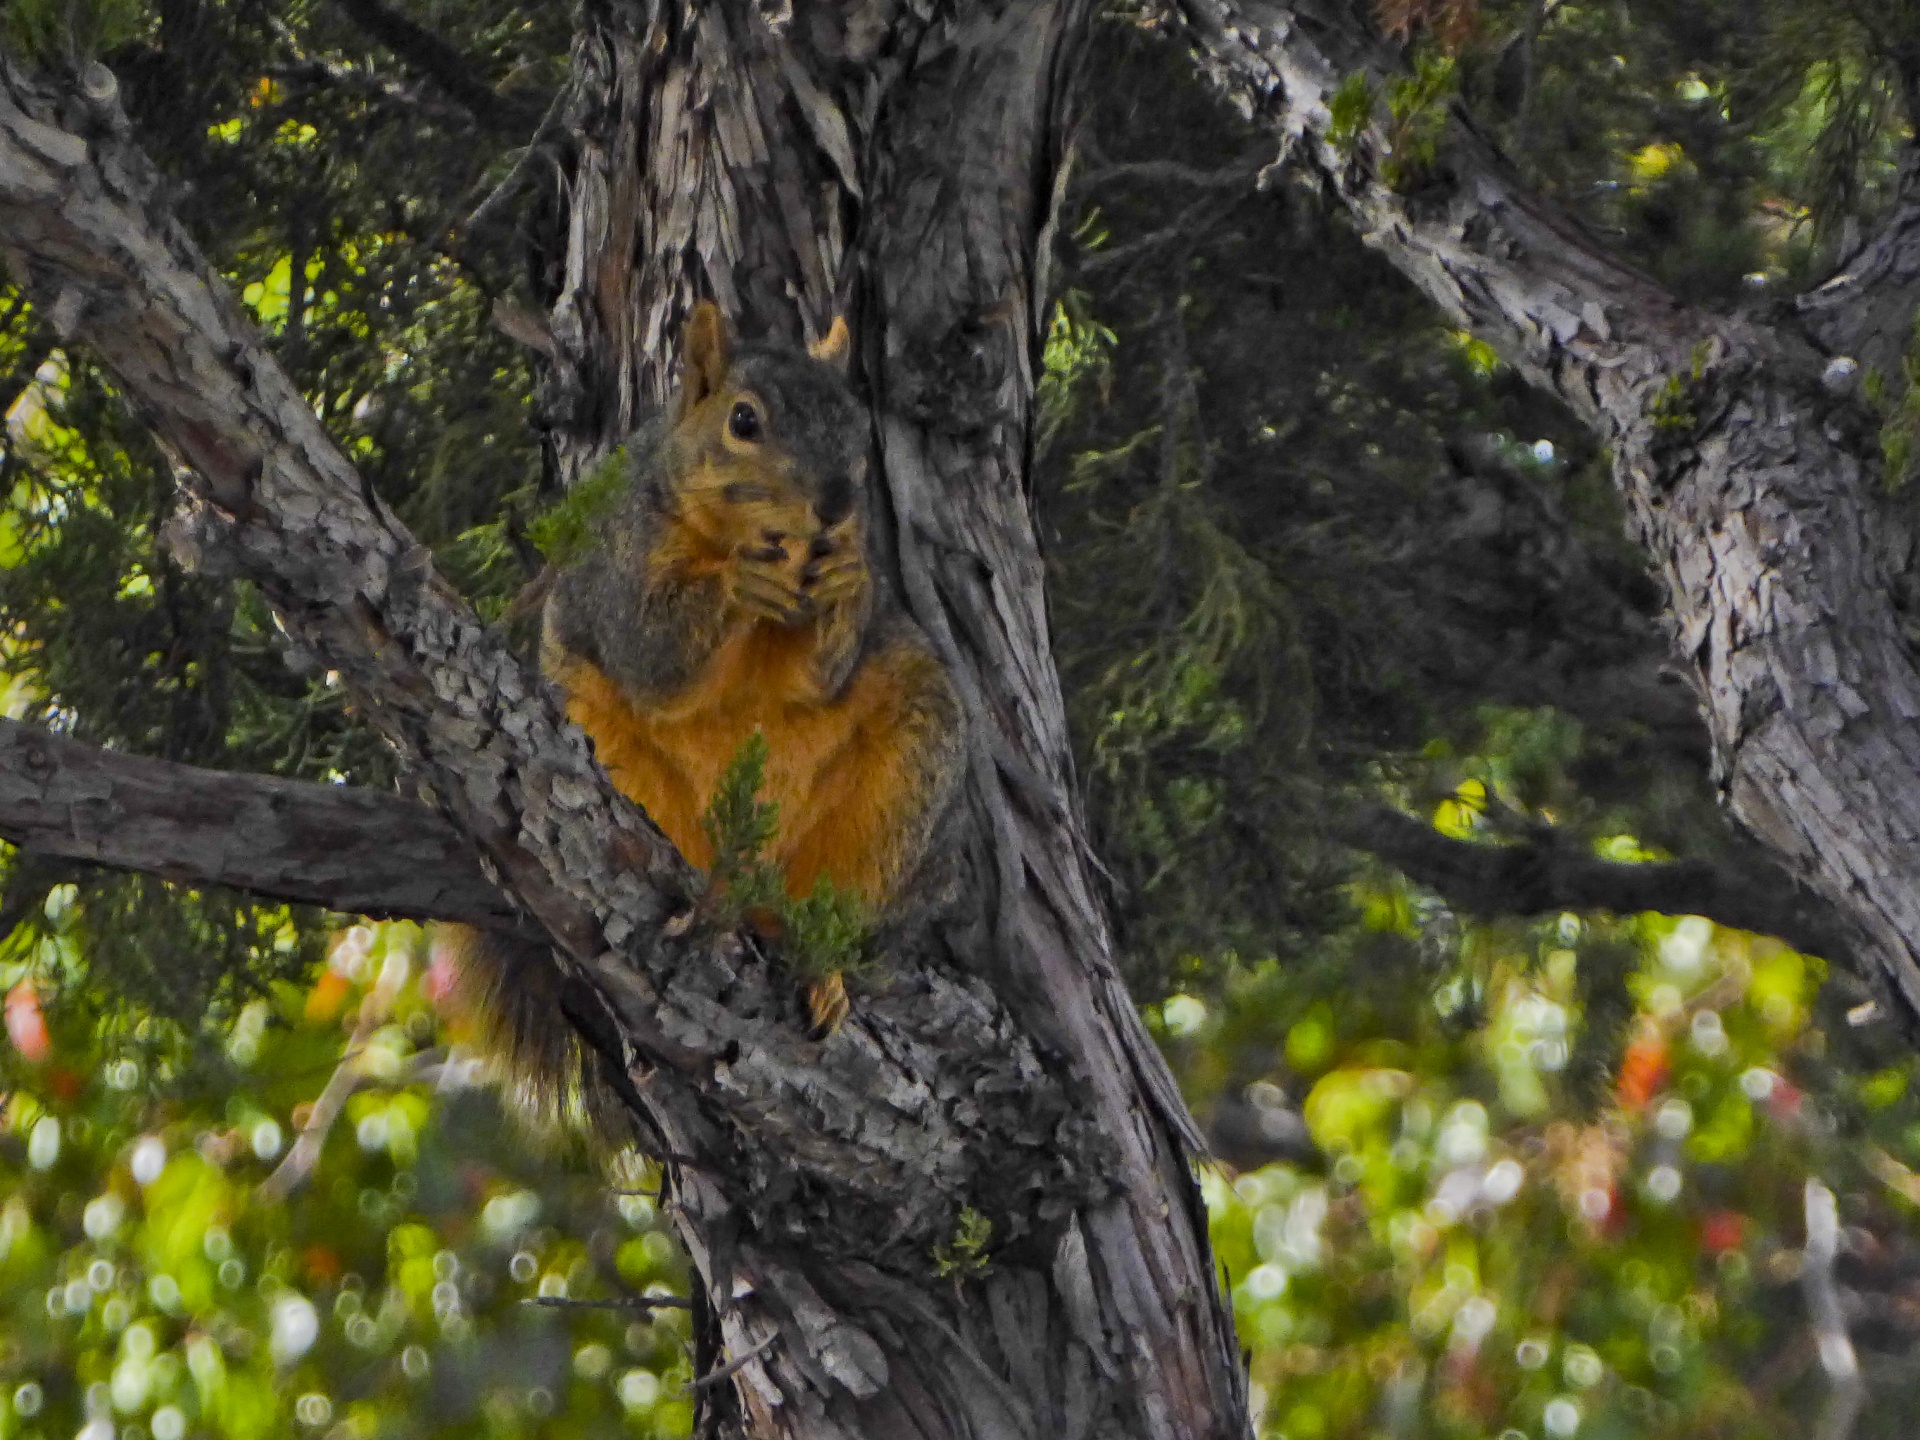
(704, 1031)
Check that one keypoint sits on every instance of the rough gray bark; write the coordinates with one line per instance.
(1866, 311)
(1748, 482)
(902, 166)
(356, 851)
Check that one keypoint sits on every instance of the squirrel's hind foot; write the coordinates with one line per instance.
(827, 1004)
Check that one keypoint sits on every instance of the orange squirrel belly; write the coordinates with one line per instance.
(836, 767)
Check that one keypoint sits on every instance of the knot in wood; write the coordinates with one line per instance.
(953, 382)
(98, 84)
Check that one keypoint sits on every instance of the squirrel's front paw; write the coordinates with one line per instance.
(767, 584)
(834, 571)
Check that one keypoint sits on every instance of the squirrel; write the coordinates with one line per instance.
(731, 590)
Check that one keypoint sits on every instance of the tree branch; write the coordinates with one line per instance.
(1572, 319)
(1747, 483)
(812, 1181)
(707, 1034)
(425, 53)
(292, 1172)
(353, 850)
(1866, 311)
(1549, 872)
(1172, 172)
(362, 852)
(408, 100)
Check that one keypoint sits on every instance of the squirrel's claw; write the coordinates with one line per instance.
(835, 577)
(827, 1004)
(769, 591)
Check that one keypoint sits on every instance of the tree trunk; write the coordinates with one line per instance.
(1746, 465)
(902, 168)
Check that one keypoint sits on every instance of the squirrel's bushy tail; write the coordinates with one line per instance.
(512, 992)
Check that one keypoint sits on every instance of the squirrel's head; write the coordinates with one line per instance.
(771, 437)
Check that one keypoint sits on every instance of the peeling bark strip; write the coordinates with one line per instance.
(356, 851)
(902, 165)
(1745, 480)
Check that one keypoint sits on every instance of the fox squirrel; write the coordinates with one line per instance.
(730, 592)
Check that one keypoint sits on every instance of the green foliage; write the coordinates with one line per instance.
(1473, 1252)
(1676, 405)
(70, 30)
(965, 1254)
(1251, 577)
(1416, 115)
(147, 1281)
(109, 642)
(346, 187)
(1417, 105)
(1078, 354)
(1350, 111)
(1826, 89)
(740, 825)
(1726, 146)
(1672, 407)
(823, 932)
(566, 529)
(1900, 427)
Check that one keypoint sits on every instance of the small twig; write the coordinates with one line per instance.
(732, 1367)
(1530, 39)
(304, 1154)
(517, 176)
(1179, 419)
(1893, 1174)
(1173, 172)
(1842, 1411)
(1184, 227)
(427, 53)
(620, 1302)
(1837, 1356)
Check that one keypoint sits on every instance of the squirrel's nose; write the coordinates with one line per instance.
(836, 499)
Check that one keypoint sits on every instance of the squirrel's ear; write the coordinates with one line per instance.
(835, 348)
(704, 347)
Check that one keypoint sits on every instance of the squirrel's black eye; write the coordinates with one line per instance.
(744, 422)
